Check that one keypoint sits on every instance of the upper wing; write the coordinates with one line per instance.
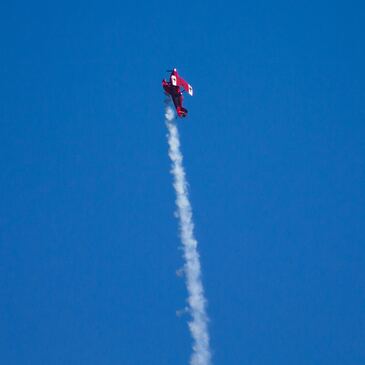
(177, 80)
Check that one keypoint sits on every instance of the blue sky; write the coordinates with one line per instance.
(274, 154)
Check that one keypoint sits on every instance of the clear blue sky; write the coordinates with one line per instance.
(274, 152)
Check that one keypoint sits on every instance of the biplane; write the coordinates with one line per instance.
(173, 89)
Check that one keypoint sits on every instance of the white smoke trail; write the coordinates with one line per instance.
(198, 324)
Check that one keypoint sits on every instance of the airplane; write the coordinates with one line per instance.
(172, 88)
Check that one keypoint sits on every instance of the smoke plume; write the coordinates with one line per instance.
(197, 304)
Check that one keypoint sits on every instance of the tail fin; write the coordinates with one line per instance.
(181, 112)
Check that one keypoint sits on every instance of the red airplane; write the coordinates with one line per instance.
(172, 88)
